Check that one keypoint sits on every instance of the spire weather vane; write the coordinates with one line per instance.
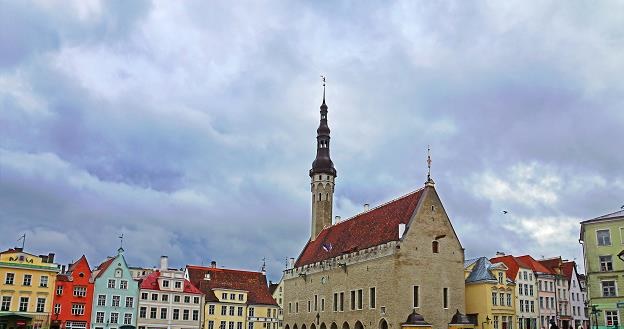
(23, 238)
(429, 180)
(121, 237)
(324, 79)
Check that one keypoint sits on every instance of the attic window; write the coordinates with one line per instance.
(434, 246)
(207, 276)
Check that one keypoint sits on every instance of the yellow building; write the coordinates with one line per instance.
(490, 295)
(26, 289)
(234, 299)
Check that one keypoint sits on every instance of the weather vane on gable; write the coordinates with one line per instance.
(429, 180)
(121, 241)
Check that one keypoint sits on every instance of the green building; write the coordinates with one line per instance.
(603, 245)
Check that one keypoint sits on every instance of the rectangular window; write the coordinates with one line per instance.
(9, 278)
(176, 299)
(508, 299)
(210, 324)
(611, 318)
(532, 306)
(41, 305)
(240, 311)
(164, 298)
(496, 322)
(315, 303)
(239, 325)
(232, 310)
(80, 291)
(250, 325)
(541, 302)
(223, 310)
(341, 302)
(43, 281)
(322, 304)
(23, 305)
(223, 295)
(178, 285)
(155, 297)
(27, 280)
(222, 325)
(59, 290)
(603, 237)
(143, 312)
(372, 298)
(6, 304)
(500, 277)
(233, 296)
(445, 298)
(416, 297)
(360, 297)
(130, 302)
(176, 314)
(526, 289)
(608, 289)
(502, 299)
(252, 310)
(521, 305)
(114, 317)
(195, 315)
(163, 313)
(165, 283)
(335, 303)
(77, 309)
(128, 318)
(116, 300)
(195, 300)
(241, 297)
(144, 295)
(99, 317)
(185, 314)
(57, 308)
(494, 299)
(187, 299)
(606, 263)
(123, 284)
(525, 275)
(352, 304)
(153, 312)
(101, 300)
(531, 290)
(111, 284)
(211, 309)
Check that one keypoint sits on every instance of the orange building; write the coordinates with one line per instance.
(73, 297)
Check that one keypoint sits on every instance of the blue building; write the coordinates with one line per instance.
(115, 295)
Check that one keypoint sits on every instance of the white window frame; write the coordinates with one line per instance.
(610, 240)
(617, 314)
(602, 289)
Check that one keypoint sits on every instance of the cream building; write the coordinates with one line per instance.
(374, 269)
(235, 299)
(168, 301)
(277, 291)
(527, 299)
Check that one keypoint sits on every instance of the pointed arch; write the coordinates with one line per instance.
(287, 327)
(345, 325)
(358, 325)
(295, 326)
(303, 326)
(312, 326)
(333, 326)
(383, 324)
(323, 326)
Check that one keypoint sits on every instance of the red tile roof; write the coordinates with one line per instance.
(150, 282)
(368, 229)
(253, 282)
(513, 265)
(102, 267)
(568, 269)
(552, 264)
(534, 265)
(65, 277)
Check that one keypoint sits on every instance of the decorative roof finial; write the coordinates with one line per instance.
(429, 181)
(263, 270)
(121, 249)
(323, 78)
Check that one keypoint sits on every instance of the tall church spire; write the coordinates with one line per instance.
(323, 163)
(322, 175)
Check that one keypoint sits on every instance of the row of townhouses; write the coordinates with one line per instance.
(37, 293)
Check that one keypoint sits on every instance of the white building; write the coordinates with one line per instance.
(577, 296)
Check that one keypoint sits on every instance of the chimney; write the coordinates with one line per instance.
(401, 230)
(500, 253)
(291, 263)
(51, 257)
(337, 220)
(18, 249)
(62, 269)
(213, 264)
(366, 206)
(164, 263)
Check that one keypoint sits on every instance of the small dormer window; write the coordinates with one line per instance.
(178, 285)
(500, 277)
(207, 276)
(434, 246)
(165, 283)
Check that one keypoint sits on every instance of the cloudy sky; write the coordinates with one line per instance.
(189, 126)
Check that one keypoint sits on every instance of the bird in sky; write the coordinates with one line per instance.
(505, 212)
(622, 207)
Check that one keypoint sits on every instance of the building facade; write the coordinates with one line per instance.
(377, 267)
(546, 290)
(73, 297)
(490, 294)
(602, 240)
(26, 289)
(277, 291)
(115, 295)
(577, 296)
(168, 301)
(235, 299)
(527, 301)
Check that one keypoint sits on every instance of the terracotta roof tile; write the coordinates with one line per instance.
(102, 267)
(535, 265)
(253, 282)
(150, 282)
(368, 229)
(513, 264)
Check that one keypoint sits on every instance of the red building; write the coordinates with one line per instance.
(73, 297)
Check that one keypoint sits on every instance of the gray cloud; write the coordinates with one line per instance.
(190, 126)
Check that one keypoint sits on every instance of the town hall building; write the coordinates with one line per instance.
(374, 269)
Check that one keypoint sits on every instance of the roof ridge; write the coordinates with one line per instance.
(222, 269)
(607, 216)
(377, 207)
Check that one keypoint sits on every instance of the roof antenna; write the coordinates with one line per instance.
(429, 180)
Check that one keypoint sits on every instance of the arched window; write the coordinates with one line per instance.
(319, 197)
(434, 246)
